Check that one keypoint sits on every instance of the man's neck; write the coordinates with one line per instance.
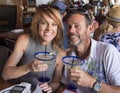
(83, 51)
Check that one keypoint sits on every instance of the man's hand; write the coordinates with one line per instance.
(82, 78)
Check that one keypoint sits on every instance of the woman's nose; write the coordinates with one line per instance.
(48, 27)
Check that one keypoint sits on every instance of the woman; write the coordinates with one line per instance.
(46, 30)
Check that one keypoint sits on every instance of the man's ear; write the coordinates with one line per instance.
(90, 27)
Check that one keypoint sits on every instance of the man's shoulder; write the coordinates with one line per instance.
(102, 46)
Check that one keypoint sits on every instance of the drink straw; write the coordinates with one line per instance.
(45, 55)
(72, 62)
(45, 49)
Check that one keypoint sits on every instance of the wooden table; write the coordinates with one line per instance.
(4, 84)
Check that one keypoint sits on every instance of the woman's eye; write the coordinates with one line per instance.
(54, 24)
(43, 22)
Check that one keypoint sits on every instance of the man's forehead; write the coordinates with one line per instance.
(75, 18)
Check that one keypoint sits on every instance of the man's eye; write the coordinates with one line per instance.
(77, 26)
(68, 26)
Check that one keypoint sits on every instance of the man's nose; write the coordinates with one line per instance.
(72, 29)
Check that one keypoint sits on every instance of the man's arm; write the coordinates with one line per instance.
(109, 89)
(86, 80)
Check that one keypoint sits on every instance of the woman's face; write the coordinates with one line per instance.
(47, 29)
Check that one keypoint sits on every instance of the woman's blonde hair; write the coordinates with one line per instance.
(54, 14)
(102, 29)
(113, 23)
(108, 26)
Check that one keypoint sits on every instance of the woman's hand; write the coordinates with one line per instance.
(37, 66)
(46, 88)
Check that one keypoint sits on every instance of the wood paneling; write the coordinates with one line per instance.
(19, 4)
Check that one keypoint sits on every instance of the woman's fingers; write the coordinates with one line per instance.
(46, 87)
(39, 66)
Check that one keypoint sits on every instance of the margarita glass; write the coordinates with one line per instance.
(72, 62)
(47, 58)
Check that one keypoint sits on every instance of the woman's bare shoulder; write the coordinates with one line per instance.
(23, 37)
(22, 41)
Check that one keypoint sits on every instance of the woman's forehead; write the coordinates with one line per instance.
(47, 18)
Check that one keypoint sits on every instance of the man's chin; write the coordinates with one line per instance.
(75, 43)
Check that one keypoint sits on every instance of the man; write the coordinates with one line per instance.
(100, 71)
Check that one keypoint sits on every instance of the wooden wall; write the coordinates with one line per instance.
(19, 4)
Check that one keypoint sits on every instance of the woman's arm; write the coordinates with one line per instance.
(11, 70)
(58, 70)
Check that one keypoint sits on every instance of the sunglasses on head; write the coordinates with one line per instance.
(79, 10)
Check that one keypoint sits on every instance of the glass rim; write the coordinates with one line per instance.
(47, 53)
(73, 58)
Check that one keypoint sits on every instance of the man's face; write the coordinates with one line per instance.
(77, 31)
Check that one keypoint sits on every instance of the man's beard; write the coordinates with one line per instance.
(75, 43)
